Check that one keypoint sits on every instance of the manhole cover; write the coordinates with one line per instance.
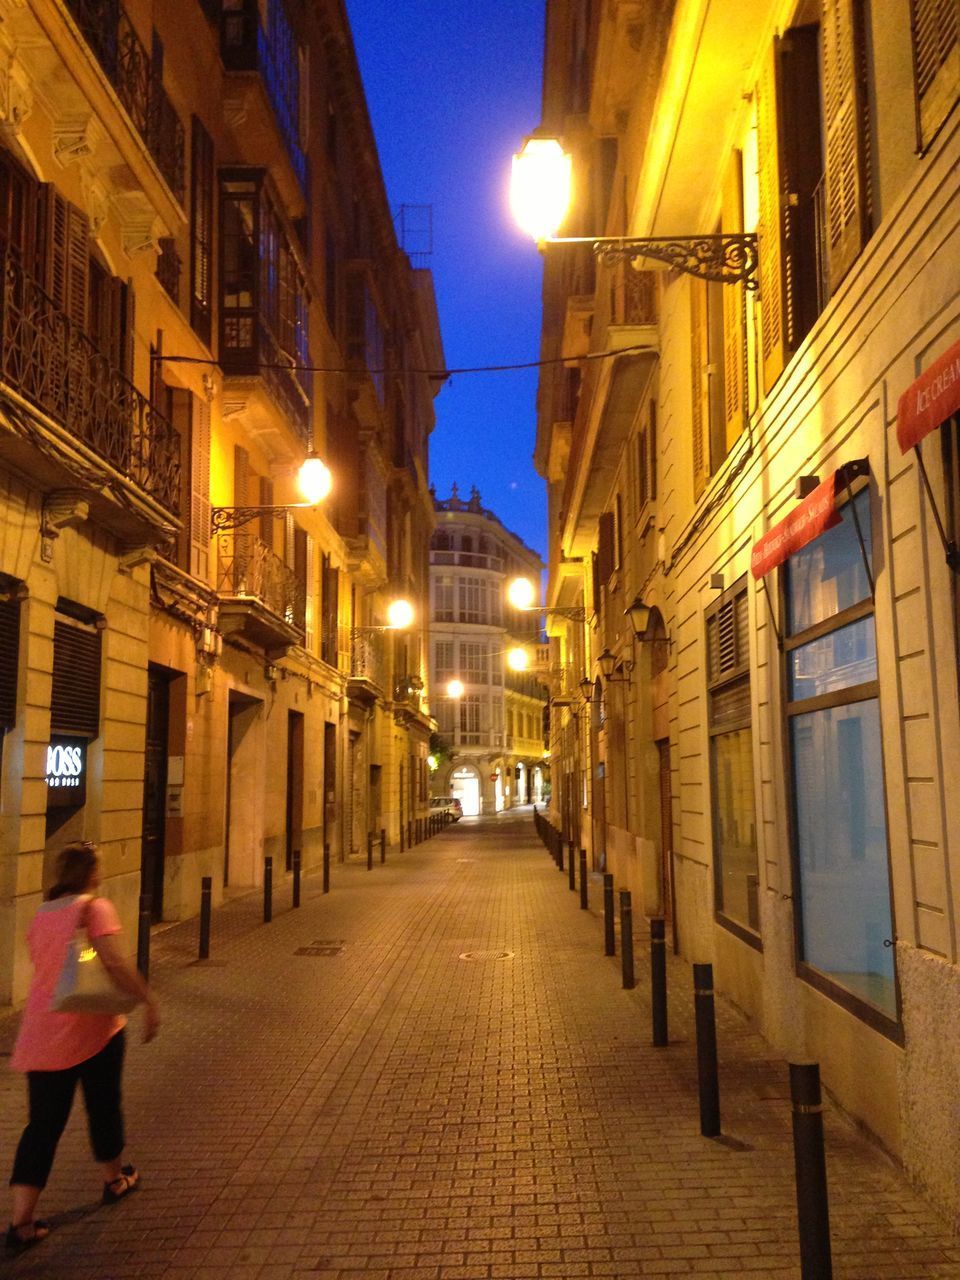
(332, 949)
(486, 955)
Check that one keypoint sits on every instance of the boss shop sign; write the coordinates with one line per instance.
(66, 773)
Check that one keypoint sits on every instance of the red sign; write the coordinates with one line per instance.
(815, 514)
(930, 401)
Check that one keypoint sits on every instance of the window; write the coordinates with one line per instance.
(75, 687)
(706, 363)
(446, 713)
(470, 720)
(473, 600)
(9, 654)
(443, 660)
(647, 456)
(935, 37)
(443, 600)
(473, 662)
(735, 865)
(509, 722)
(201, 229)
(330, 611)
(844, 916)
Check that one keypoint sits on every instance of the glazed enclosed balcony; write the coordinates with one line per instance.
(263, 311)
(262, 599)
(265, 93)
(89, 417)
(367, 670)
(137, 81)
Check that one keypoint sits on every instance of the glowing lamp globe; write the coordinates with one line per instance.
(455, 689)
(540, 187)
(399, 614)
(518, 659)
(521, 593)
(314, 479)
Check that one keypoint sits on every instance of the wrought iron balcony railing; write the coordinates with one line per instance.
(246, 566)
(109, 32)
(367, 657)
(49, 361)
(249, 349)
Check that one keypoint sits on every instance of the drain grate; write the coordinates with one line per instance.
(322, 947)
(486, 955)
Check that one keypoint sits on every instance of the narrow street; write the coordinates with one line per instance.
(433, 1073)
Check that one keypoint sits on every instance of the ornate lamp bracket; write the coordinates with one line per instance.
(225, 518)
(726, 259)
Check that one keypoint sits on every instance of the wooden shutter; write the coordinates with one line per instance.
(9, 661)
(201, 228)
(843, 118)
(179, 406)
(241, 476)
(605, 547)
(266, 520)
(200, 489)
(734, 327)
(75, 689)
(67, 255)
(699, 386)
(935, 33)
(770, 224)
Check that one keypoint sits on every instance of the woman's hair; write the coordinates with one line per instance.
(75, 864)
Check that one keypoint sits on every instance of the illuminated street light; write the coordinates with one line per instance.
(521, 593)
(399, 615)
(541, 187)
(455, 689)
(540, 192)
(518, 659)
(313, 480)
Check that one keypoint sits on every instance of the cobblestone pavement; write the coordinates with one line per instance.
(449, 1084)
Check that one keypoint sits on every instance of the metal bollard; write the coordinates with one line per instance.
(560, 852)
(584, 904)
(206, 896)
(571, 869)
(369, 850)
(609, 934)
(383, 845)
(658, 981)
(706, 1050)
(626, 940)
(401, 838)
(419, 831)
(143, 934)
(267, 890)
(813, 1208)
(409, 835)
(326, 867)
(296, 877)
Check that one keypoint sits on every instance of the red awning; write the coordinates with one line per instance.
(815, 514)
(930, 401)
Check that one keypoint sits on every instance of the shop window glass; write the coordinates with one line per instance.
(844, 913)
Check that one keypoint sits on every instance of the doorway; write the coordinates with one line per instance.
(329, 780)
(465, 787)
(668, 894)
(244, 769)
(153, 831)
(294, 785)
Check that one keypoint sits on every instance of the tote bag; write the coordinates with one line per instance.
(84, 985)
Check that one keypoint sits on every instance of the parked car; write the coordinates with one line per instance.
(447, 804)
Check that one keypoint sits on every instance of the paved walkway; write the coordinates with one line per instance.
(434, 1074)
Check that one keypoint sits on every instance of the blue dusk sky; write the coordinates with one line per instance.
(452, 91)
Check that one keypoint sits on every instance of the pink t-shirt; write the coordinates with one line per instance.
(49, 1041)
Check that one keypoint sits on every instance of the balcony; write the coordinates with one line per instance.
(270, 54)
(366, 679)
(262, 600)
(109, 32)
(50, 362)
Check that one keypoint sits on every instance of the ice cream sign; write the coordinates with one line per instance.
(66, 772)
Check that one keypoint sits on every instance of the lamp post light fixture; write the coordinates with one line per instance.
(399, 615)
(540, 195)
(522, 594)
(518, 659)
(455, 689)
(313, 480)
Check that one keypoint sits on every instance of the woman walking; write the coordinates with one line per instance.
(58, 1049)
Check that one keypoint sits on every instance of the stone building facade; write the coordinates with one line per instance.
(196, 669)
(769, 765)
(492, 730)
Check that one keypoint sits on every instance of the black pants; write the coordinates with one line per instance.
(51, 1097)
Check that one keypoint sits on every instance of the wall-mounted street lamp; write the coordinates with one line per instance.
(540, 194)
(455, 689)
(400, 616)
(313, 480)
(522, 594)
(518, 659)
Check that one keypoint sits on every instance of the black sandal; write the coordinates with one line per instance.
(17, 1241)
(121, 1187)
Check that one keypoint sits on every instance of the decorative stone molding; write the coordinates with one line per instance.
(16, 99)
(75, 139)
(139, 241)
(133, 557)
(236, 110)
(62, 509)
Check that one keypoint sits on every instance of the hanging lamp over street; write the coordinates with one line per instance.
(541, 187)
